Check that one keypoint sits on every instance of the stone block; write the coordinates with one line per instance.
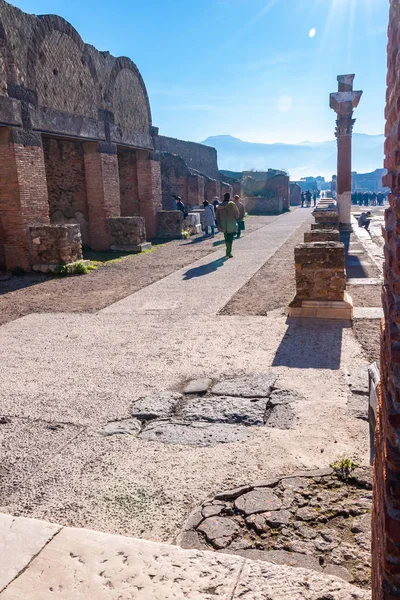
(321, 235)
(128, 234)
(320, 271)
(170, 224)
(54, 244)
(263, 206)
(320, 309)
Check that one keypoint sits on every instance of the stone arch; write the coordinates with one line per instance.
(59, 68)
(127, 95)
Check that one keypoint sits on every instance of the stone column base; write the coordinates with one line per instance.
(345, 227)
(135, 248)
(323, 309)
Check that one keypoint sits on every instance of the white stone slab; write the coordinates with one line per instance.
(20, 541)
(365, 312)
(83, 564)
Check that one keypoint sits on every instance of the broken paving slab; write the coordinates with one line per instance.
(127, 427)
(226, 409)
(258, 501)
(249, 386)
(357, 379)
(281, 416)
(198, 386)
(156, 406)
(193, 434)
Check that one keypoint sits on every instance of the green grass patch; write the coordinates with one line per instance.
(109, 257)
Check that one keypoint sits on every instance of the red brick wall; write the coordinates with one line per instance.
(23, 195)
(386, 510)
(149, 188)
(102, 185)
(128, 183)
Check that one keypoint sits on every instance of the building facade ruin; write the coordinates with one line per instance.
(76, 140)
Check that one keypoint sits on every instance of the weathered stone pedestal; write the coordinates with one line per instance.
(321, 282)
(128, 234)
(52, 245)
(170, 224)
(193, 223)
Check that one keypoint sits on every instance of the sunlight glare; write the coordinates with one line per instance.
(312, 32)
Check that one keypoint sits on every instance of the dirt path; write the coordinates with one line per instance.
(32, 293)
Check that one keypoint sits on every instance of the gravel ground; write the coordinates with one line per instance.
(32, 293)
(273, 286)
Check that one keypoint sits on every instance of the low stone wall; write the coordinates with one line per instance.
(128, 234)
(321, 235)
(320, 271)
(54, 244)
(170, 224)
(263, 206)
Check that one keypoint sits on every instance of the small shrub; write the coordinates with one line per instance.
(18, 271)
(61, 270)
(344, 467)
(186, 234)
(92, 267)
(80, 268)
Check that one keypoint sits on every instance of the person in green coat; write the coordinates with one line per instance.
(226, 217)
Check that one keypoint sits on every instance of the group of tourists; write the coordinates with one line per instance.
(368, 198)
(306, 198)
(227, 217)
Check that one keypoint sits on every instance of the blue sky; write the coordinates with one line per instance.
(247, 68)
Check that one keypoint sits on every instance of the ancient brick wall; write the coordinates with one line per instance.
(263, 206)
(174, 179)
(54, 244)
(320, 271)
(63, 85)
(128, 183)
(386, 509)
(196, 156)
(66, 184)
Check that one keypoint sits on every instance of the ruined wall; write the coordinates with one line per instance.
(66, 184)
(50, 80)
(128, 183)
(196, 156)
(174, 177)
(386, 507)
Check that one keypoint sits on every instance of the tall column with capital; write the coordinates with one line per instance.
(343, 102)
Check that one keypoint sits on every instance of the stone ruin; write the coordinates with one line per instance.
(79, 156)
(320, 269)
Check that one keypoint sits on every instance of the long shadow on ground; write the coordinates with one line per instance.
(204, 269)
(311, 345)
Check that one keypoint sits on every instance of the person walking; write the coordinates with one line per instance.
(209, 218)
(315, 198)
(303, 199)
(240, 219)
(227, 214)
(308, 198)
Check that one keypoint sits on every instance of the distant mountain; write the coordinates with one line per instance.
(301, 160)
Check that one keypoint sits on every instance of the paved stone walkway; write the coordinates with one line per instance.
(213, 280)
(42, 561)
(66, 377)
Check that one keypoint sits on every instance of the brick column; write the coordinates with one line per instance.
(23, 192)
(343, 102)
(103, 192)
(195, 196)
(213, 189)
(386, 501)
(149, 189)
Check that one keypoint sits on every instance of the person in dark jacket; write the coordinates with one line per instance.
(180, 206)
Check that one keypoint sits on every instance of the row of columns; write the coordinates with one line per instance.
(24, 196)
